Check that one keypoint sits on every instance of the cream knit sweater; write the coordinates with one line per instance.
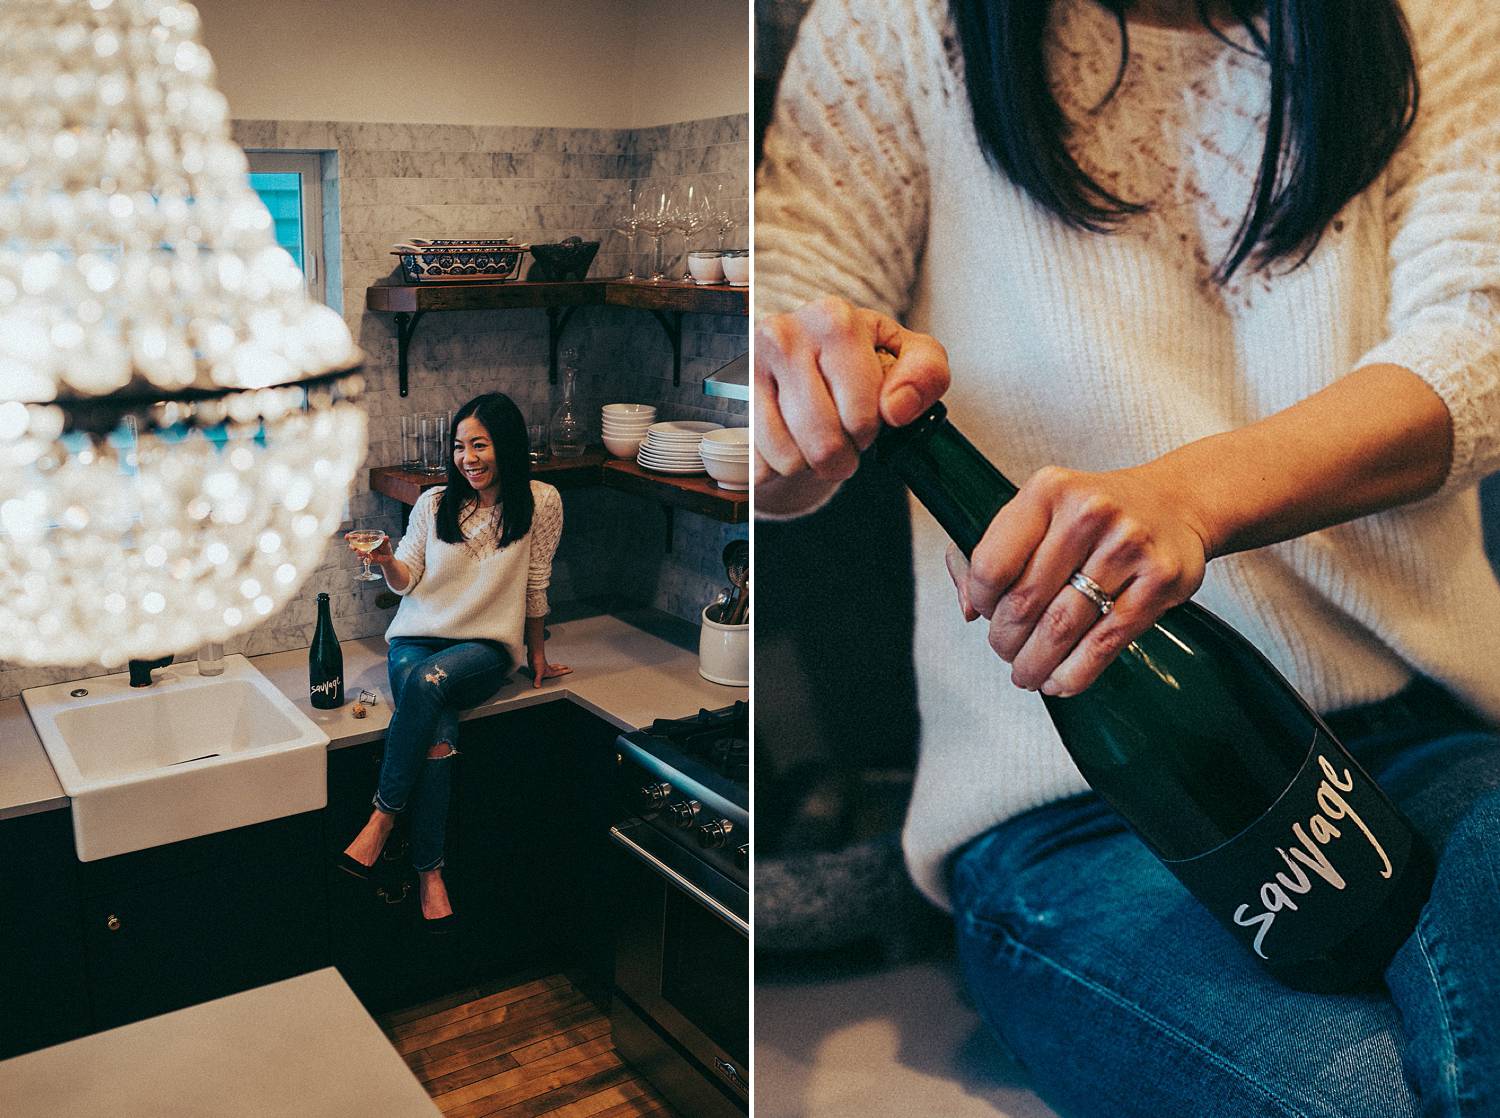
(471, 590)
(1099, 352)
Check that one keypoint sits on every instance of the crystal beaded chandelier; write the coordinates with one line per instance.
(178, 431)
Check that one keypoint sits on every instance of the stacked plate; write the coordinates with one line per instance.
(672, 447)
(625, 427)
(726, 457)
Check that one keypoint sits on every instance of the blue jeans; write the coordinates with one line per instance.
(1122, 996)
(432, 679)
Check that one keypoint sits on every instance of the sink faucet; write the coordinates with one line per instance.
(140, 670)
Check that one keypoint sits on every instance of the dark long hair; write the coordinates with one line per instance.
(1343, 94)
(499, 415)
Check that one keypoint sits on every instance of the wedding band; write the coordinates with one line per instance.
(1092, 591)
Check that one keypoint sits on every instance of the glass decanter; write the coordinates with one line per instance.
(568, 433)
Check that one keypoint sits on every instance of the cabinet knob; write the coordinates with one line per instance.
(113, 923)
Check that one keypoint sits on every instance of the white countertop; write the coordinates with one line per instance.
(303, 1048)
(621, 672)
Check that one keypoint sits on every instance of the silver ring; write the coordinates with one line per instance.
(1092, 591)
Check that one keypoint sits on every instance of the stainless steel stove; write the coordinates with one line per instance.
(682, 967)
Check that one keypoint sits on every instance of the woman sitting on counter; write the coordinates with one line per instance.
(472, 570)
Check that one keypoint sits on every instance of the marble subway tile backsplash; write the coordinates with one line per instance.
(387, 182)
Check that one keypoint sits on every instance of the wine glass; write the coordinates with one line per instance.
(627, 223)
(656, 219)
(364, 541)
(690, 217)
(722, 220)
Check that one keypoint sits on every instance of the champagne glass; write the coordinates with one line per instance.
(627, 223)
(364, 541)
(690, 217)
(656, 219)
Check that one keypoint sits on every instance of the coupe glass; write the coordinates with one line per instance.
(656, 219)
(365, 540)
(627, 223)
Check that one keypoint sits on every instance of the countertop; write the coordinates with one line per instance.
(303, 1048)
(628, 669)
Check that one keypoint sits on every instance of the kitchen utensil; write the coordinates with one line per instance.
(737, 267)
(737, 567)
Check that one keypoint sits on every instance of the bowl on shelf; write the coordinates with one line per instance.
(706, 267)
(623, 446)
(629, 411)
(733, 440)
(568, 259)
(486, 261)
(737, 267)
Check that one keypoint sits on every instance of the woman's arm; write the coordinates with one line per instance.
(1376, 438)
(546, 532)
(841, 210)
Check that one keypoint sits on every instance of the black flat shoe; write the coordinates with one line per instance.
(353, 866)
(442, 926)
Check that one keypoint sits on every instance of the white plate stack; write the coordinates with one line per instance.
(672, 447)
(726, 457)
(625, 427)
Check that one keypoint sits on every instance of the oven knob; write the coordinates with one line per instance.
(684, 812)
(714, 833)
(742, 856)
(655, 794)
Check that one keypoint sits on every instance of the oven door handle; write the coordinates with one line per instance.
(661, 867)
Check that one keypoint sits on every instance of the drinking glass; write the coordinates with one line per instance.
(722, 220)
(364, 541)
(411, 442)
(690, 216)
(434, 443)
(656, 219)
(627, 223)
(536, 439)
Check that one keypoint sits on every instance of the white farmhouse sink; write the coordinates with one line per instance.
(188, 756)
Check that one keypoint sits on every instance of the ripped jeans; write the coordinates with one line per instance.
(432, 679)
(1124, 998)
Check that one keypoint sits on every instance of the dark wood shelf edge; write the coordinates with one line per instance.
(696, 494)
(673, 296)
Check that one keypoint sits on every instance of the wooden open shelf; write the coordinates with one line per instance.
(668, 301)
(696, 493)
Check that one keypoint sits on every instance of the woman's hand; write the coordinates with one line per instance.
(383, 555)
(822, 390)
(1130, 531)
(541, 670)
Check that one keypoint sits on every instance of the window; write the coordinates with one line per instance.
(290, 183)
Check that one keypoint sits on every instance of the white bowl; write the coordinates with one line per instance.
(629, 411)
(729, 475)
(724, 653)
(624, 430)
(621, 448)
(737, 270)
(729, 437)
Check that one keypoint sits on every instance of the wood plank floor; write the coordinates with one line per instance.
(520, 1048)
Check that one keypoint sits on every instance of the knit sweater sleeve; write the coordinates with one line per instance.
(841, 197)
(412, 550)
(1444, 218)
(546, 531)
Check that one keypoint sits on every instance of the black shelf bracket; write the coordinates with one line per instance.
(557, 322)
(671, 322)
(406, 326)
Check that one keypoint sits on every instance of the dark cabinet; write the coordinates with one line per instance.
(180, 924)
(43, 997)
(376, 938)
(533, 821)
(90, 945)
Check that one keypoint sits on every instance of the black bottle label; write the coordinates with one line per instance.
(1305, 875)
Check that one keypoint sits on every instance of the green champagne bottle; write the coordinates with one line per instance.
(1217, 763)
